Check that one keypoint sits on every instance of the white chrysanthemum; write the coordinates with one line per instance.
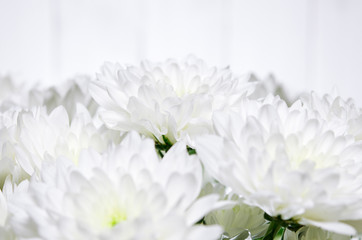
(28, 138)
(343, 116)
(237, 219)
(127, 193)
(267, 86)
(287, 162)
(8, 141)
(68, 94)
(6, 195)
(169, 99)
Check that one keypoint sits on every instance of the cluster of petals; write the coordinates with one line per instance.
(30, 137)
(176, 150)
(343, 116)
(173, 100)
(287, 161)
(125, 193)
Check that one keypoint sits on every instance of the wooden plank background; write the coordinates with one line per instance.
(306, 44)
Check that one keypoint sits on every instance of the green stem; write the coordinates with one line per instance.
(162, 148)
(167, 141)
(275, 231)
(277, 227)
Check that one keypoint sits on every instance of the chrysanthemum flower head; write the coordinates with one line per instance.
(30, 137)
(343, 116)
(6, 195)
(288, 162)
(8, 140)
(168, 101)
(68, 94)
(127, 193)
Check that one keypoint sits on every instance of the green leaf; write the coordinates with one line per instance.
(272, 232)
(162, 148)
(191, 151)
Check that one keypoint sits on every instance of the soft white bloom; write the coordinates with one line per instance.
(8, 140)
(127, 193)
(239, 218)
(288, 162)
(267, 86)
(343, 116)
(6, 195)
(30, 137)
(170, 99)
(68, 94)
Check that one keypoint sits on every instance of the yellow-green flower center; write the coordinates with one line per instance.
(116, 217)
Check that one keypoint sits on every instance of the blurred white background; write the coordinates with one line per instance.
(306, 44)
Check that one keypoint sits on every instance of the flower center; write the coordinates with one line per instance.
(116, 217)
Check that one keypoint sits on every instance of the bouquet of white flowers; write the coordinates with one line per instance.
(177, 151)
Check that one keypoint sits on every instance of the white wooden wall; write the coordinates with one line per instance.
(306, 44)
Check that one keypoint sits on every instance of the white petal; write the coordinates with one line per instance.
(337, 227)
(205, 205)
